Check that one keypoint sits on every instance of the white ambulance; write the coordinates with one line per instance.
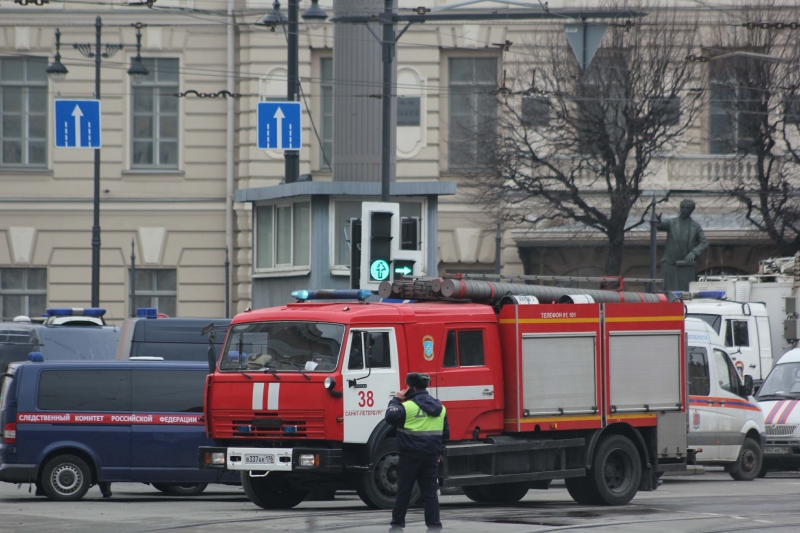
(778, 398)
(726, 425)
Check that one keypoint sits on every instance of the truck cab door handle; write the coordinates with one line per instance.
(488, 392)
(752, 366)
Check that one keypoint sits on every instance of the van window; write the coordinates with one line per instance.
(168, 391)
(699, 384)
(5, 386)
(726, 373)
(463, 348)
(715, 321)
(736, 333)
(85, 390)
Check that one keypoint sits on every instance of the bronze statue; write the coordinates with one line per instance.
(685, 242)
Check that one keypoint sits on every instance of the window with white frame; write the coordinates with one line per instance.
(157, 287)
(344, 210)
(155, 116)
(326, 113)
(23, 112)
(23, 291)
(283, 236)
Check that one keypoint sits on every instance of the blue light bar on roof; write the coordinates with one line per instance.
(333, 294)
(76, 311)
(147, 312)
(714, 294)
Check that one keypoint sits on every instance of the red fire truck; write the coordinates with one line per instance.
(591, 390)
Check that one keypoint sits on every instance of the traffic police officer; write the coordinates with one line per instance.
(421, 422)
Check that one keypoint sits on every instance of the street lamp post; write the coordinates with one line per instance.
(314, 15)
(57, 72)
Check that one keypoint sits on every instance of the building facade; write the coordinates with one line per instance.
(166, 177)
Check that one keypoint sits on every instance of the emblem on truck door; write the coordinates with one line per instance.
(427, 347)
(695, 419)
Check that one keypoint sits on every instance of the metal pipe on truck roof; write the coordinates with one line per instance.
(490, 292)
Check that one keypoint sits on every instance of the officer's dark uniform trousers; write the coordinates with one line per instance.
(420, 468)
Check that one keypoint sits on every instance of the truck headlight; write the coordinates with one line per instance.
(217, 458)
(308, 459)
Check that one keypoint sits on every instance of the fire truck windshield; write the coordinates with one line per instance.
(283, 346)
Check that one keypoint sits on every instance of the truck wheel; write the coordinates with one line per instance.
(582, 490)
(763, 472)
(66, 478)
(748, 465)
(181, 489)
(616, 471)
(269, 493)
(499, 493)
(378, 487)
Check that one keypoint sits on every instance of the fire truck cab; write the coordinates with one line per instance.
(592, 393)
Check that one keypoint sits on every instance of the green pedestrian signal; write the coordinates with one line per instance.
(379, 270)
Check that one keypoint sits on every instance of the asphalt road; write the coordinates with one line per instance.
(712, 503)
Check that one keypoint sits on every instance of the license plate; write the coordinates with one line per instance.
(259, 459)
(776, 450)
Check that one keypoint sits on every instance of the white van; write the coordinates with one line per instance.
(744, 330)
(778, 398)
(726, 425)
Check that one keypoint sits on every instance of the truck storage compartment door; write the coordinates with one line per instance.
(645, 358)
(551, 360)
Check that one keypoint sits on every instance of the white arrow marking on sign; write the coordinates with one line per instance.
(404, 270)
(77, 114)
(279, 116)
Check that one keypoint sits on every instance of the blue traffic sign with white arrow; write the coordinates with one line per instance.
(279, 126)
(77, 123)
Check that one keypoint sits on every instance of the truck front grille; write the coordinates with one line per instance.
(287, 425)
(780, 430)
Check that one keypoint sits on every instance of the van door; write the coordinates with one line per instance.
(703, 416)
(764, 345)
(731, 419)
(167, 405)
(369, 382)
(466, 381)
(741, 337)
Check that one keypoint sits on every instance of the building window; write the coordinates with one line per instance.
(157, 288)
(23, 291)
(472, 109)
(23, 111)
(155, 116)
(326, 113)
(735, 110)
(283, 236)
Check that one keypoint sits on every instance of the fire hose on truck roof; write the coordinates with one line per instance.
(492, 292)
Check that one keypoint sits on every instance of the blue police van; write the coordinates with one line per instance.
(70, 425)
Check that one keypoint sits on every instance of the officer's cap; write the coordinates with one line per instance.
(418, 380)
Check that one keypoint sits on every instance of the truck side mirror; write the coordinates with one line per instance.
(748, 386)
(212, 352)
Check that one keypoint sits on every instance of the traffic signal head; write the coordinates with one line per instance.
(380, 249)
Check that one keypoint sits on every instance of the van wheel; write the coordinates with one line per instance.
(378, 487)
(269, 493)
(181, 489)
(65, 478)
(616, 471)
(748, 466)
(499, 493)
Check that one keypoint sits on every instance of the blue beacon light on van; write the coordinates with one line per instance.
(76, 311)
(147, 312)
(714, 294)
(333, 294)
